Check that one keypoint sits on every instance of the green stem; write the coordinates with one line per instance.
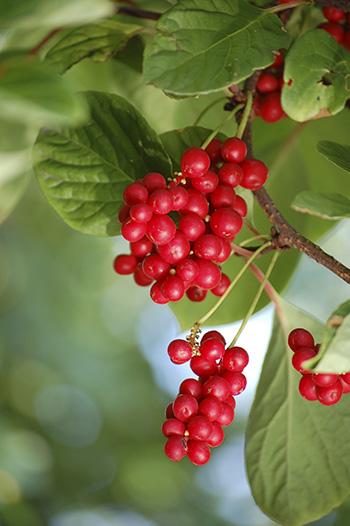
(251, 239)
(245, 116)
(206, 109)
(215, 132)
(256, 299)
(204, 318)
(283, 7)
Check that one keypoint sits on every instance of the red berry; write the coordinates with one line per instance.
(330, 395)
(125, 264)
(307, 388)
(212, 349)
(192, 387)
(203, 367)
(231, 401)
(142, 247)
(346, 377)
(300, 357)
(222, 286)
(267, 83)
(225, 252)
(185, 406)
(195, 162)
(234, 150)
(207, 246)
(237, 381)
(213, 334)
(226, 415)
(157, 294)
(207, 183)
(176, 250)
(196, 203)
(141, 213)
(226, 223)
(346, 42)
(172, 427)
(173, 288)
(235, 359)
(231, 174)
(180, 351)
(169, 411)
(210, 407)
(345, 386)
(254, 174)
(214, 150)
(132, 231)
(161, 229)
(217, 435)
(161, 201)
(175, 448)
(196, 294)
(240, 206)
(216, 386)
(324, 380)
(187, 270)
(155, 267)
(278, 60)
(123, 214)
(154, 181)
(223, 196)
(209, 274)
(199, 428)
(192, 226)
(179, 196)
(140, 277)
(335, 30)
(333, 14)
(270, 107)
(197, 452)
(135, 193)
(300, 338)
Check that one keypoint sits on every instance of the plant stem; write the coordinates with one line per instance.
(35, 50)
(256, 299)
(206, 109)
(215, 132)
(246, 114)
(291, 4)
(251, 239)
(139, 13)
(204, 318)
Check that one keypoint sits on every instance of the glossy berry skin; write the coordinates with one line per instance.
(212, 349)
(154, 181)
(231, 401)
(179, 196)
(345, 386)
(207, 183)
(192, 387)
(214, 150)
(223, 196)
(226, 223)
(300, 357)
(210, 407)
(207, 246)
(203, 367)
(346, 378)
(155, 267)
(218, 387)
(184, 407)
(195, 162)
(198, 452)
(235, 359)
(335, 30)
(226, 415)
(161, 229)
(254, 174)
(161, 201)
(334, 14)
(225, 252)
(267, 83)
(173, 427)
(330, 395)
(197, 203)
(222, 286)
(307, 388)
(192, 226)
(299, 338)
(141, 248)
(123, 213)
(157, 295)
(125, 264)
(169, 411)
(278, 61)
(179, 351)
(133, 231)
(173, 288)
(176, 250)
(187, 270)
(199, 428)
(237, 382)
(135, 193)
(240, 206)
(270, 107)
(234, 150)
(196, 294)
(217, 435)
(175, 449)
(324, 380)
(231, 174)
(213, 334)
(140, 277)
(141, 213)
(209, 274)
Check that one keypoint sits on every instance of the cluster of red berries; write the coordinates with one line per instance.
(204, 405)
(267, 101)
(327, 388)
(180, 233)
(337, 25)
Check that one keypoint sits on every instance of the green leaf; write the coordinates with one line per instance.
(98, 41)
(297, 452)
(33, 93)
(316, 77)
(325, 206)
(84, 171)
(338, 154)
(204, 46)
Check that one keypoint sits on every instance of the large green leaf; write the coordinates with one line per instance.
(338, 154)
(326, 206)
(84, 171)
(297, 452)
(316, 76)
(204, 45)
(98, 41)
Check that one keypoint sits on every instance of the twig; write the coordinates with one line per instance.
(35, 50)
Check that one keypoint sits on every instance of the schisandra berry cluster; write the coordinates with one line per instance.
(180, 233)
(267, 101)
(205, 405)
(327, 388)
(337, 25)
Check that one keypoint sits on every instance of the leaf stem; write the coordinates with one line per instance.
(256, 298)
(289, 5)
(251, 239)
(204, 318)
(207, 108)
(245, 117)
(218, 129)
